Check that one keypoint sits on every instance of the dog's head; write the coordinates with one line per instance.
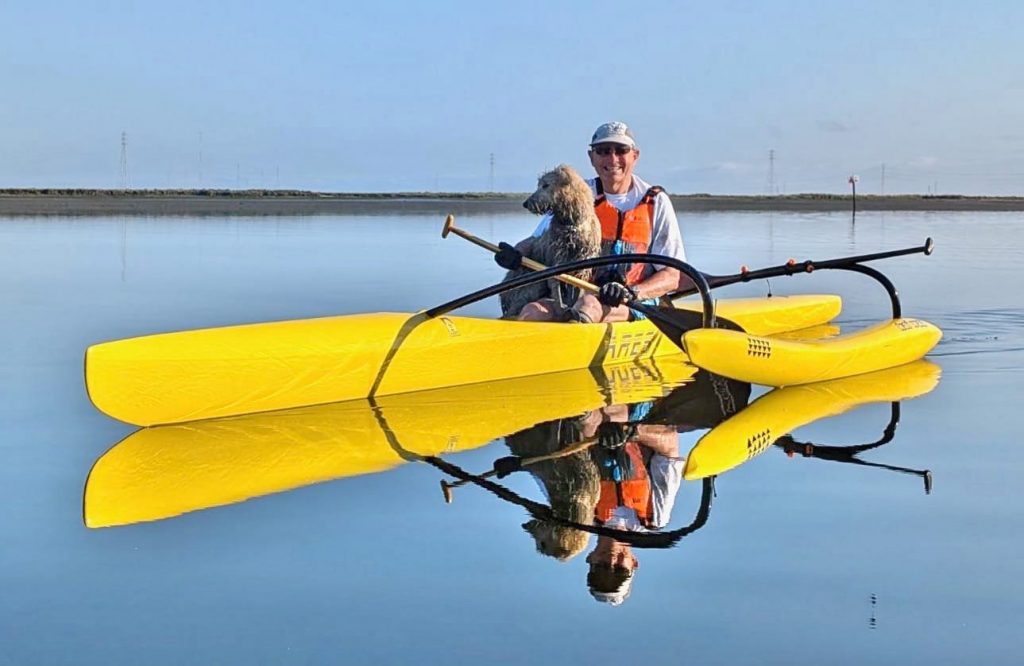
(554, 187)
(557, 541)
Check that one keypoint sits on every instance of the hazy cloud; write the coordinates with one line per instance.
(834, 126)
(734, 167)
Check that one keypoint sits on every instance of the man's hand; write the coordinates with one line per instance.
(611, 435)
(615, 293)
(505, 466)
(508, 257)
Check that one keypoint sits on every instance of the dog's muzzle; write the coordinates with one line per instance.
(532, 205)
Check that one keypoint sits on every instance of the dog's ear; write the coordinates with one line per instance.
(561, 177)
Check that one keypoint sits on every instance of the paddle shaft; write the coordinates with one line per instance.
(449, 227)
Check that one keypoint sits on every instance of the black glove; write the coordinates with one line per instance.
(614, 435)
(505, 466)
(615, 293)
(508, 257)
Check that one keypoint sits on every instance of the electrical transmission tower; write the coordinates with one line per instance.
(771, 171)
(124, 161)
(492, 174)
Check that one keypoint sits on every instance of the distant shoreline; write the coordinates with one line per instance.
(80, 202)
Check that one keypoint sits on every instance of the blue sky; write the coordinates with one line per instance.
(393, 96)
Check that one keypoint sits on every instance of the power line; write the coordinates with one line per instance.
(200, 159)
(124, 161)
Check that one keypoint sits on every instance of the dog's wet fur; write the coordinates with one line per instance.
(574, 234)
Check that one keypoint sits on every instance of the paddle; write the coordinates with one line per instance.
(449, 227)
(671, 321)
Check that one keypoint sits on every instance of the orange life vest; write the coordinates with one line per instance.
(634, 492)
(627, 232)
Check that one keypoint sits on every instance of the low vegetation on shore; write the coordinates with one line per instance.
(78, 201)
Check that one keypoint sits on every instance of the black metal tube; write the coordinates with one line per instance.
(894, 297)
(842, 454)
(808, 266)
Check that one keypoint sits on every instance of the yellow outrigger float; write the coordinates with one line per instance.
(762, 360)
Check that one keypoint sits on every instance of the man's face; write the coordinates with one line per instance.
(614, 163)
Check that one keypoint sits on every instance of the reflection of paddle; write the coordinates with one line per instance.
(505, 466)
(669, 320)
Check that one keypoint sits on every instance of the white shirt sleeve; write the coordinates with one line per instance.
(666, 478)
(666, 239)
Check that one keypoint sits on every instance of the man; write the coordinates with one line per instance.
(635, 218)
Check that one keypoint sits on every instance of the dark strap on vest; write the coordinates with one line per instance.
(648, 197)
(651, 193)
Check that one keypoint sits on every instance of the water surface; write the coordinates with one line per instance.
(800, 560)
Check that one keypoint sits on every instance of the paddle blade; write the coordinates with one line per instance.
(674, 322)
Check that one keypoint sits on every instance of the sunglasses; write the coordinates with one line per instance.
(605, 151)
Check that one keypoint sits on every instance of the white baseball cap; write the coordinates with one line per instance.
(615, 597)
(613, 132)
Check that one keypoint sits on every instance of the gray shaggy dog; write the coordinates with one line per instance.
(574, 233)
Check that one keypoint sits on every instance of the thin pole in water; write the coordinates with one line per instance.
(853, 184)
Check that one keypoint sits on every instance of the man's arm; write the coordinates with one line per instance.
(666, 240)
(662, 282)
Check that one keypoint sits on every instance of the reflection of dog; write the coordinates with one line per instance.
(571, 483)
(574, 233)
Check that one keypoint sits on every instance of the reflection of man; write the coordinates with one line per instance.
(612, 565)
(627, 481)
(641, 473)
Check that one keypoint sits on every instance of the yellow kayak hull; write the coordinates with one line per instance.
(212, 373)
(776, 362)
(169, 470)
(781, 411)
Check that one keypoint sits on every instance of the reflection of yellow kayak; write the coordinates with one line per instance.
(169, 470)
(192, 375)
(781, 411)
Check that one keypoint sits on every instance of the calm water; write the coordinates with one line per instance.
(801, 560)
